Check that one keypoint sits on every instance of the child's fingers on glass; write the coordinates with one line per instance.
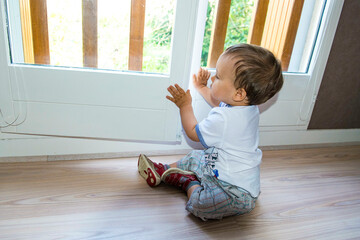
(199, 73)
(181, 91)
(170, 98)
(194, 78)
(205, 74)
(174, 92)
(170, 91)
(171, 88)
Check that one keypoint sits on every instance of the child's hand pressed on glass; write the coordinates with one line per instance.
(200, 80)
(200, 83)
(183, 100)
(179, 96)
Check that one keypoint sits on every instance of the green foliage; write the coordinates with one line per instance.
(237, 29)
(239, 22)
(161, 29)
(157, 42)
(207, 35)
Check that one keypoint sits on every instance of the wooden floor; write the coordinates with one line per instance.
(306, 194)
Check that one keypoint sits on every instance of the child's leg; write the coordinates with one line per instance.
(207, 203)
(173, 165)
(184, 177)
(180, 178)
(191, 190)
(210, 201)
(191, 163)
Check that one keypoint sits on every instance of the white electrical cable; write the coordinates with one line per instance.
(9, 124)
(12, 124)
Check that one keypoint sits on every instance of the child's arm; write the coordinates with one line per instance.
(183, 100)
(200, 83)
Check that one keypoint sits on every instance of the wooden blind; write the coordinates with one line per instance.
(280, 28)
(291, 32)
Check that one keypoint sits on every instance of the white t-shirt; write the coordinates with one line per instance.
(234, 132)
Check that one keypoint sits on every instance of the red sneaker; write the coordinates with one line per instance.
(150, 171)
(178, 177)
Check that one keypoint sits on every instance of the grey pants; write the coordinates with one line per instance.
(215, 199)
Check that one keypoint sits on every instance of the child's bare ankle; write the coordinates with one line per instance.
(173, 165)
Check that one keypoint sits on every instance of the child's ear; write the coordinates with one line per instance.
(240, 95)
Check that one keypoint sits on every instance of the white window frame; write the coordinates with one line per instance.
(47, 100)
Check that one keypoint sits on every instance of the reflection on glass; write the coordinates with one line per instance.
(92, 33)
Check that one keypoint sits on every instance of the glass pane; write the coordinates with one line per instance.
(237, 27)
(64, 27)
(92, 33)
(239, 22)
(287, 28)
(158, 32)
(113, 34)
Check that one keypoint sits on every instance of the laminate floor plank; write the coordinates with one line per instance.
(305, 194)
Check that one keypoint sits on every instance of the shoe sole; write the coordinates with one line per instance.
(175, 170)
(147, 171)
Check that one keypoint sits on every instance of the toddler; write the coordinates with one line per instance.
(224, 178)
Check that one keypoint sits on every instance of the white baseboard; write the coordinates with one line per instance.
(22, 148)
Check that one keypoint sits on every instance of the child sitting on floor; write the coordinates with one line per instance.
(223, 179)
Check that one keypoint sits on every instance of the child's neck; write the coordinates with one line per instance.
(238, 103)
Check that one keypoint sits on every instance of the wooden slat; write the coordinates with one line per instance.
(26, 31)
(275, 28)
(291, 33)
(89, 30)
(269, 15)
(136, 40)
(277, 44)
(218, 33)
(281, 27)
(270, 27)
(40, 34)
(258, 22)
(279, 13)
